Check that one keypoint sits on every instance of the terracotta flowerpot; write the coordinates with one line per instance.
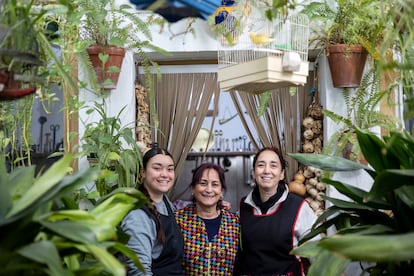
(346, 63)
(10, 89)
(106, 79)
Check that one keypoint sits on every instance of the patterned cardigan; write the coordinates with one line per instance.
(204, 257)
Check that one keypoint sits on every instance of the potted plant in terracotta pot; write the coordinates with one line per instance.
(346, 29)
(108, 31)
(20, 55)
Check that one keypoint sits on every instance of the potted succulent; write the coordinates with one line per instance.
(346, 30)
(107, 31)
(113, 149)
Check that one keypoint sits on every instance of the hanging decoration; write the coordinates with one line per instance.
(312, 142)
(143, 129)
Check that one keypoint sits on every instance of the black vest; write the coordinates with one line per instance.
(268, 239)
(169, 261)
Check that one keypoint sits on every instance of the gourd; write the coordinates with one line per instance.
(297, 188)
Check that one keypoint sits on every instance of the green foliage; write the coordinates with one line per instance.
(362, 111)
(344, 22)
(43, 235)
(104, 23)
(17, 50)
(372, 226)
(114, 150)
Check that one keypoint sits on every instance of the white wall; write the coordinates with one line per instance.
(332, 99)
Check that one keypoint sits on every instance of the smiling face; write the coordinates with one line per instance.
(209, 189)
(159, 175)
(268, 171)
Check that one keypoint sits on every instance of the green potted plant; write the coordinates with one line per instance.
(20, 55)
(107, 30)
(25, 56)
(347, 30)
(362, 111)
(112, 148)
(373, 227)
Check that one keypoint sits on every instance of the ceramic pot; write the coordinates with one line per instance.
(107, 79)
(346, 63)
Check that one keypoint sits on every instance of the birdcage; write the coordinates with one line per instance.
(267, 55)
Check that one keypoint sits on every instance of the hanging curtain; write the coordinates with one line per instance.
(182, 102)
(280, 126)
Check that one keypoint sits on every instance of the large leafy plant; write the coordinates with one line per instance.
(113, 149)
(44, 232)
(374, 226)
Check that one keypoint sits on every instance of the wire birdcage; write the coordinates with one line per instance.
(266, 55)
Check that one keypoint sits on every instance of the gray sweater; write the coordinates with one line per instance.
(143, 241)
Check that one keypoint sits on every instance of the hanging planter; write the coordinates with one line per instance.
(346, 63)
(107, 62)
(10, 88)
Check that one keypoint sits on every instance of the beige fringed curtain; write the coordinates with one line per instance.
(280, 126)
(182, 101)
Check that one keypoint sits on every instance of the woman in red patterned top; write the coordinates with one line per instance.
(211, 233)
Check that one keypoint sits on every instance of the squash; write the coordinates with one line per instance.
(297, 188)
(299, 177)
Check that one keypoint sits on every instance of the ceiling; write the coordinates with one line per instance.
(174, 10)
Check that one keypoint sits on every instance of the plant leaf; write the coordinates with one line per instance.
(46, 253)
(327, 162)
(394, 179)
(372, 248)
(107, 259)
(42, 185)
(72, 230)
(323, 261)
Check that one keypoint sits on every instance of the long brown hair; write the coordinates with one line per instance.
(155, 150)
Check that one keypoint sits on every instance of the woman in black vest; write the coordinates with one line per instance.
(272, 220)
(154, 233)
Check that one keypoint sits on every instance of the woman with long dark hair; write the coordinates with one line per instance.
(272, 220)
(154, 233)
